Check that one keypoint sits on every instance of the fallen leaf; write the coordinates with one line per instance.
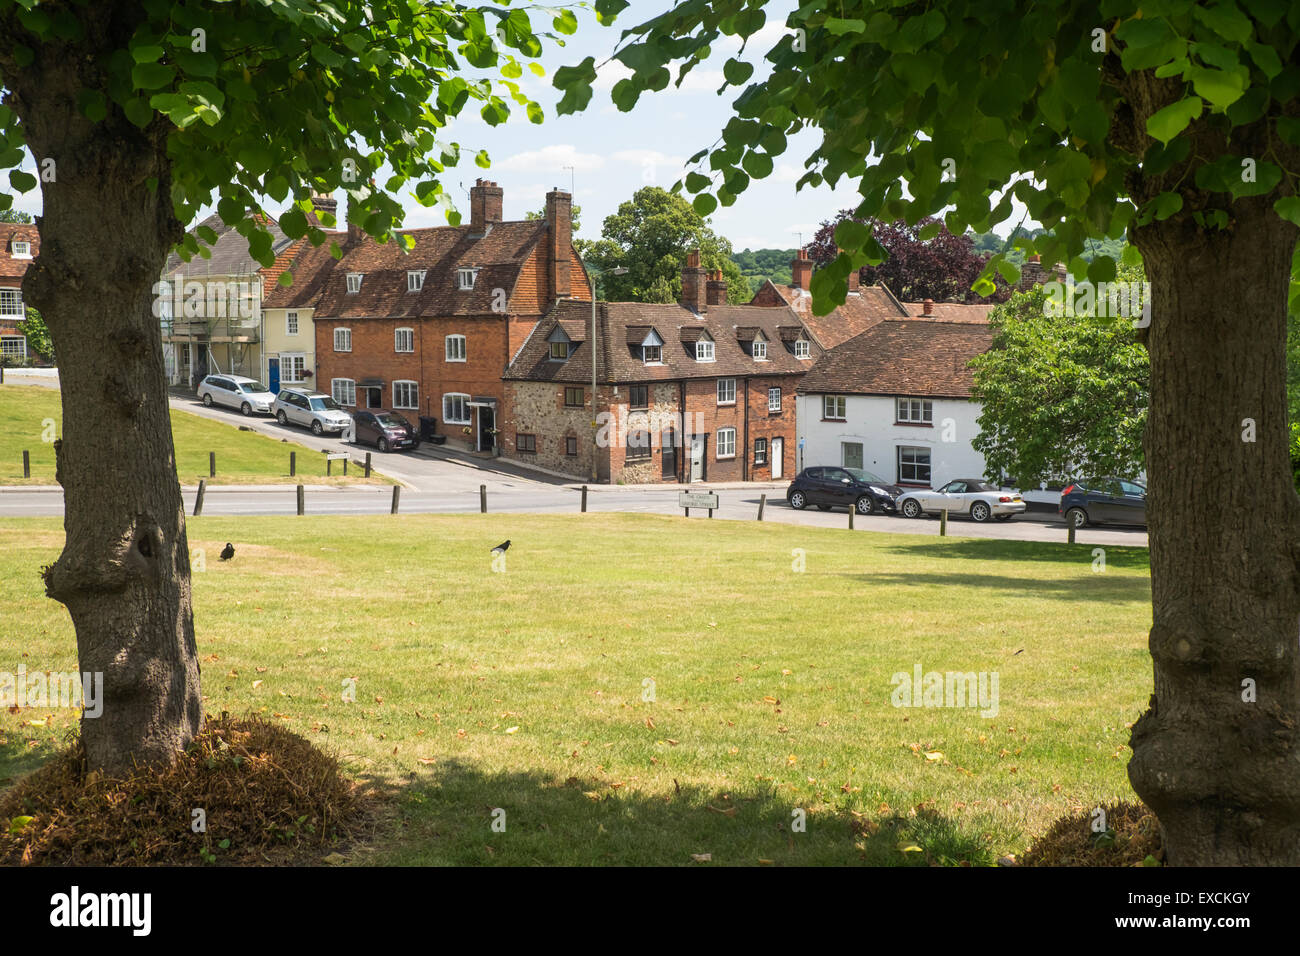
(702, 857)
(933, 755)
(511, 730)
(256, 684)
(334, 859)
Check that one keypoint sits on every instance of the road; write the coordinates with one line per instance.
(436, 481)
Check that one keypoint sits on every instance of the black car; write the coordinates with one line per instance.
(832, 486)
(384, 430)
(1104, 501)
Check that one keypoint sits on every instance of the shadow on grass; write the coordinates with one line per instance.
(998, 549)
(446, 816)
(17, 758)
(1094, 587)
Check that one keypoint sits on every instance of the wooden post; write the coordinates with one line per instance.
(212, 464)
(688, 512)
(1069, 534)
(198, 498)
(482, 499)
(762, 501)
(2, 374)
(367, 464)
(293, 463)
(302, 500)
(584, 499)
(943, 522)
(852, 509)
(397, 494)
(329, 466)
(711, 510)
(345, 467)
(27, 464)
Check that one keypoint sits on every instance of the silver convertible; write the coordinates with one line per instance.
(979, 499)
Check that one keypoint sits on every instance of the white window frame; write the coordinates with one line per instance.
(914, 464)
(726, 440)
(22, 249)
(773, 393)
(659, 354)
(412, 390)
(290, 323)
(348, 335)
(9, 295)
(296, 360)
(447, 350)
(802, 349)
(831, 404)
(767, 451)
(704, 350)
(465, 279)
(14, 346)
(726, 391)
(465, 403)
(342, 389)
(354, 281)
(759, 350)
(415, 279)
(905, 407)
(397, 339)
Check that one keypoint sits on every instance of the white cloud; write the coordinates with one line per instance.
(649, 157)
(552, 159)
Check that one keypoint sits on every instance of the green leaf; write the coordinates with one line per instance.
(1219, 87)
(737, 71)
(21, 181)
(839, 27)
(152, 76)
(93, 105)
(138, 111)
(1288, 207)
(697, 182)
(18, 824)
(1167, 123)
(704, 204)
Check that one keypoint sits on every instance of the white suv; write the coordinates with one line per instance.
(318, 412)
(234, 391)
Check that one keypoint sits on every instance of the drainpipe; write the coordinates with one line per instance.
(683, 436)
(744, 462)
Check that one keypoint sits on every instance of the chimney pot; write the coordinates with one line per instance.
(717, 288)
(927, 307)
(801, 270)
(485, 206)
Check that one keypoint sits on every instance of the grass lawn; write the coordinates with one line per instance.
(526, 689)
(242, 457)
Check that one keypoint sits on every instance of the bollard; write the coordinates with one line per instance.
(367, 464)
(943, 522)
(482, 499)
(2, 374)
(27, 464)
(852, 508)
(198, 498)
(1069, 539)
(397, 494)
(762, 501)
(584, 499)
(302, 500)
(293, 463)
(345, 467)
(212, 464)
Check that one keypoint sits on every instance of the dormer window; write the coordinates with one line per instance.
(465, 278)
(652, 354)
(802, 349)
(559, 351)
(760, 350)
(704, 350)
(354, 281)
(22, 250)
(415, 280)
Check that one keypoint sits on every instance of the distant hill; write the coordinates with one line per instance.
(988, 243)
(760, 264)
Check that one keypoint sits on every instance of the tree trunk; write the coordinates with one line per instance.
(1221, 771)
(106, 229)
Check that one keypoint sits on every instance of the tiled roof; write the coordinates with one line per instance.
(859, 312)
(621, 326)
(952, 311)
(229, 255)
(441, 251)
(310, 269)
(902, 357)
(11, 268)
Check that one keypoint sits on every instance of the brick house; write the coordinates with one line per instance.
(428, 332)
(692, 391)
(19, 244)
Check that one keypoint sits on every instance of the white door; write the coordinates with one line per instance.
(778, 457)
(697, 457)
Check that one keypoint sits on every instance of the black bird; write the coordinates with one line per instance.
(502, 548)
(227, 552)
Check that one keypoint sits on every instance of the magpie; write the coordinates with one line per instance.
(502, 547)
(227, 552)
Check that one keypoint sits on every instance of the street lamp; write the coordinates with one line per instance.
(595, 294)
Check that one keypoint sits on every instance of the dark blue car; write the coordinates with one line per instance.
(1104, 501)
(836, 487)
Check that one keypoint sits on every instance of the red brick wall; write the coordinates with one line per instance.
(767, 296)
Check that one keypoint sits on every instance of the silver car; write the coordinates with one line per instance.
(318, 412)
(963, 496)
(234, 391)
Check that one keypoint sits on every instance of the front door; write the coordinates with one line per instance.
(273, 375)
(486, 423)
(697, 457)
(778, 458)
(852, 454)
(668, 452)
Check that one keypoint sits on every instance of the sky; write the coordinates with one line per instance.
(605, 155)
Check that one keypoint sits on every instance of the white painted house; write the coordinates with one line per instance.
(895, 400)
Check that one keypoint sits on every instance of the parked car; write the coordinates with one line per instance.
(835, 487)
(384, 430)
(234, 391)
(1104, 501)
(964, 496)
(318, 412)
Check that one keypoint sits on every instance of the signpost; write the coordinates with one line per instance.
(697, 499)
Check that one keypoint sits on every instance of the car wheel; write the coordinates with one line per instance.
(1077, 517)
(246, 408)
(207, 400)
(911, 508)
(980, 511)
(798, 501)
(281, 417)
(863, 504)
(316, 428)
(382, 444)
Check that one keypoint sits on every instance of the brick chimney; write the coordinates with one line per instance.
(717, 288)
(927, 306)
(559, 238)
(1031, 273)
(801, 270)
(855, 281)
(323, 204)
(355, 233)
(485, 205)
(694, 293)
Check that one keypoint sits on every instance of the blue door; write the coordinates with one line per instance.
(273, 373)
